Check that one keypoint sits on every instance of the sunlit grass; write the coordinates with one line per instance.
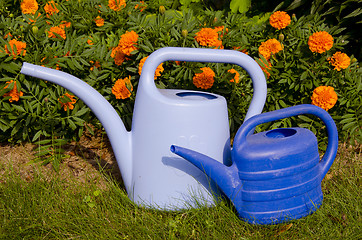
(58, 208)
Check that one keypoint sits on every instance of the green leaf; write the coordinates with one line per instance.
(81, 112)
(241, 6)
(76, 64)
(304, 118)
(354, 13)
(19, 108)
(71, 124)
(36, 136)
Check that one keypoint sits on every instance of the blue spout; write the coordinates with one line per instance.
(225, 177)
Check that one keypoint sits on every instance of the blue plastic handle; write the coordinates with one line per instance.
(147, 84)
(332, 132)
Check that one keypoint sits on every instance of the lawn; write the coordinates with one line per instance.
(39, 203)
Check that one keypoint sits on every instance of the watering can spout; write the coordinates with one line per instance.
(119, 137)
(226, 177)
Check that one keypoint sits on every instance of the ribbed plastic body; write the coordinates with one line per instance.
(280, 176)
(275, 176)
(196, 120)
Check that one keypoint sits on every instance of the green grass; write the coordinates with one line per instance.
(52, 208)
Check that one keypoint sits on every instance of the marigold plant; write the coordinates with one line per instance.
(120, 89)
(18, 45)
(265, 66)
(340, 61)
(128, 42)
(236, 75)
(13, 93)
(205, 79)
(118, 55)
(220, 30)
(208, 37)
(320, 42)
(269, 47)
(324, 97)
(95, 64)
(99, 21)
(65, 104)
(159, 69)
(58, 30)
(279, 20)
(65, 24)
(141, 6)
(102, 40)
(116, 5)
(29, 6)
(50, 8)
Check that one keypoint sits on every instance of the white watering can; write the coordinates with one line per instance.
(152, 175)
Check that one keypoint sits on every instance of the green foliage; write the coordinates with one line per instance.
(240, 6)
(86, 53)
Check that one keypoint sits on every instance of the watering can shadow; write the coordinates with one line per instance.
(275, 175)
(154, 177)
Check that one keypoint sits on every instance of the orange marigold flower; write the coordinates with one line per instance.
(118, 55)
(324, 97)
(65, 103)
(13, 93)
(236, 76)
(120, 89)
(65, 24)
(208, 37)
(8, 35)
(320, 42)
(58, 30)
(99, 21)
(158, 72)
(340, 61)
(266, 66)
(90, 40)
(95, 64)
(205, 79)
(269, 47)
(50, 8)
(279, 20)
(116, 5)
(20, 48)
(29, 6)
(128, 41)
(141, 6)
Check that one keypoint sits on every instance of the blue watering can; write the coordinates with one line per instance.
(275, 176)
(152, 175)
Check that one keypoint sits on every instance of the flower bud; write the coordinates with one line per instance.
(354, 60)
(184, 33)
(11, 15)
(294, 17)
(281, 37)
(162, 9)
(35, 29)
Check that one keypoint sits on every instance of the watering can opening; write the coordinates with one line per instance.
(196, 95)
(281, 133)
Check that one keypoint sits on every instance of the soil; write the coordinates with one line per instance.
(83, 160)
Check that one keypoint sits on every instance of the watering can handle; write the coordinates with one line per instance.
(332, 147)
(147, 84)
